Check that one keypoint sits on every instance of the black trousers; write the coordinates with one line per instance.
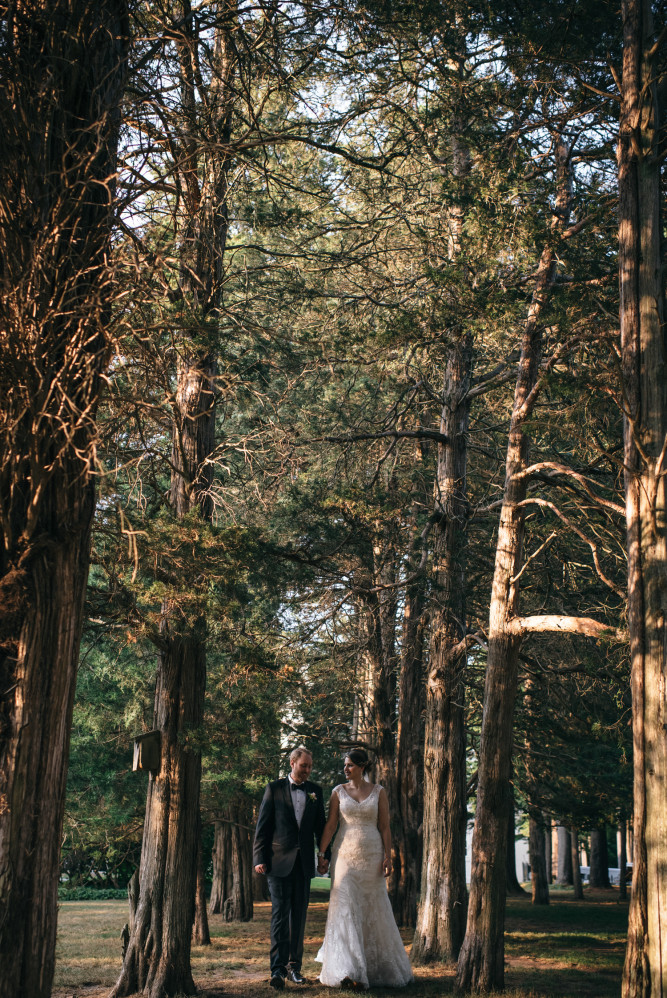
(289, 905)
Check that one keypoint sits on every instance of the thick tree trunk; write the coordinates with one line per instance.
(643, 347)
(564, 876)
(410, 761)
(538, 863)
(482, 958)
(599, 868)
(62, 77)
(444, 897)
(643, 351)
(232, 889)
(576, 866)
(157, 960)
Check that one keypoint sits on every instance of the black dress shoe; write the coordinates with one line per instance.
(295, 976)
(277, 981)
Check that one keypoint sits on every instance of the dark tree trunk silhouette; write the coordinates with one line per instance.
(61, 84)
(443, 902)
(623, 862)
(538, 862)
(548, 829)
(576, 866)
(564, 856)
(599, 866)
(410, 759)
(201, 935)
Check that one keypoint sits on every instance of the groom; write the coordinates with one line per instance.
(291, 818)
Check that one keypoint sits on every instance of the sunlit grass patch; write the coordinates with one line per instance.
(562, 950)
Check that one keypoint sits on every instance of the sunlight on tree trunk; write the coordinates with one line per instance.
(645, 409)
(62, 79)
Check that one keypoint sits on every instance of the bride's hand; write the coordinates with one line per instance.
(386, 867)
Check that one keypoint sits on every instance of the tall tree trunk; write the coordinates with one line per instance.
(157, 960)
(221, 884)
(512, 885)
(482, 957)
(564, 856)
(623, 862)
(548, 830)
(60, 90)
(643, 351)
(443, 902)
(538, 862)
(380, 663)
(409, 754)
(599, 868)
(232, 888)
(576, 866)
(200, 931)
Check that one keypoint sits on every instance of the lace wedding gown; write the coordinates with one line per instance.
(361, 940)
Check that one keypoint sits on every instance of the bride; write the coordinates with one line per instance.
(362, 946)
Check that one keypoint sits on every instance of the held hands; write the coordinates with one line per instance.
(322, 865)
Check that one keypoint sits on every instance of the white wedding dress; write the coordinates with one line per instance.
(361, 939)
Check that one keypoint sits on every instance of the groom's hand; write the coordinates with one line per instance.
(260, 868)
(322, 866)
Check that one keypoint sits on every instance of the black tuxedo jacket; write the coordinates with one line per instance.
(278, 838)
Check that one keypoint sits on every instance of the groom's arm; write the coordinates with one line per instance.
(320, 822)
(261, 852)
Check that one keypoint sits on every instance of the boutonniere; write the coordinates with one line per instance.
(312, 796)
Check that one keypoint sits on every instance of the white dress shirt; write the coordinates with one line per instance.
(298, 799)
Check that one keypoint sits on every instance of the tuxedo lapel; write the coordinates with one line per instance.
(289, 800)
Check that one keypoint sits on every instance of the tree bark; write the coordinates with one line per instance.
(599, 868)
(538, 862)
(232, 889)
(200, 931)
(157, 960)
(643, 350)
(548, 827)
(61, 85)
(576, 866)
(378, 702)
(482, 958)
(564, 876)
(444, 897)
(409, 754)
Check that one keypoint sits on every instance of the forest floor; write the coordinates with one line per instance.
(568, 949)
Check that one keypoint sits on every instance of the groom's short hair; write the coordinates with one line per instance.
(298, 752)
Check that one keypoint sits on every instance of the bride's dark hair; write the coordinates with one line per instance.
(359, 757)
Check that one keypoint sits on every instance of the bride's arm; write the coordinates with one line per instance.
(332, 823)
(385, 832)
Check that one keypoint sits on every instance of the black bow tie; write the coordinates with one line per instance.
(298, 786)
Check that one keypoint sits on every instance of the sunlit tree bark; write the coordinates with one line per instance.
(61, 84)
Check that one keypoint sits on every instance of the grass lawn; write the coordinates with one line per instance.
(569, 949)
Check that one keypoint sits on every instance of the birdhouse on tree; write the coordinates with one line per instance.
(147, 751)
